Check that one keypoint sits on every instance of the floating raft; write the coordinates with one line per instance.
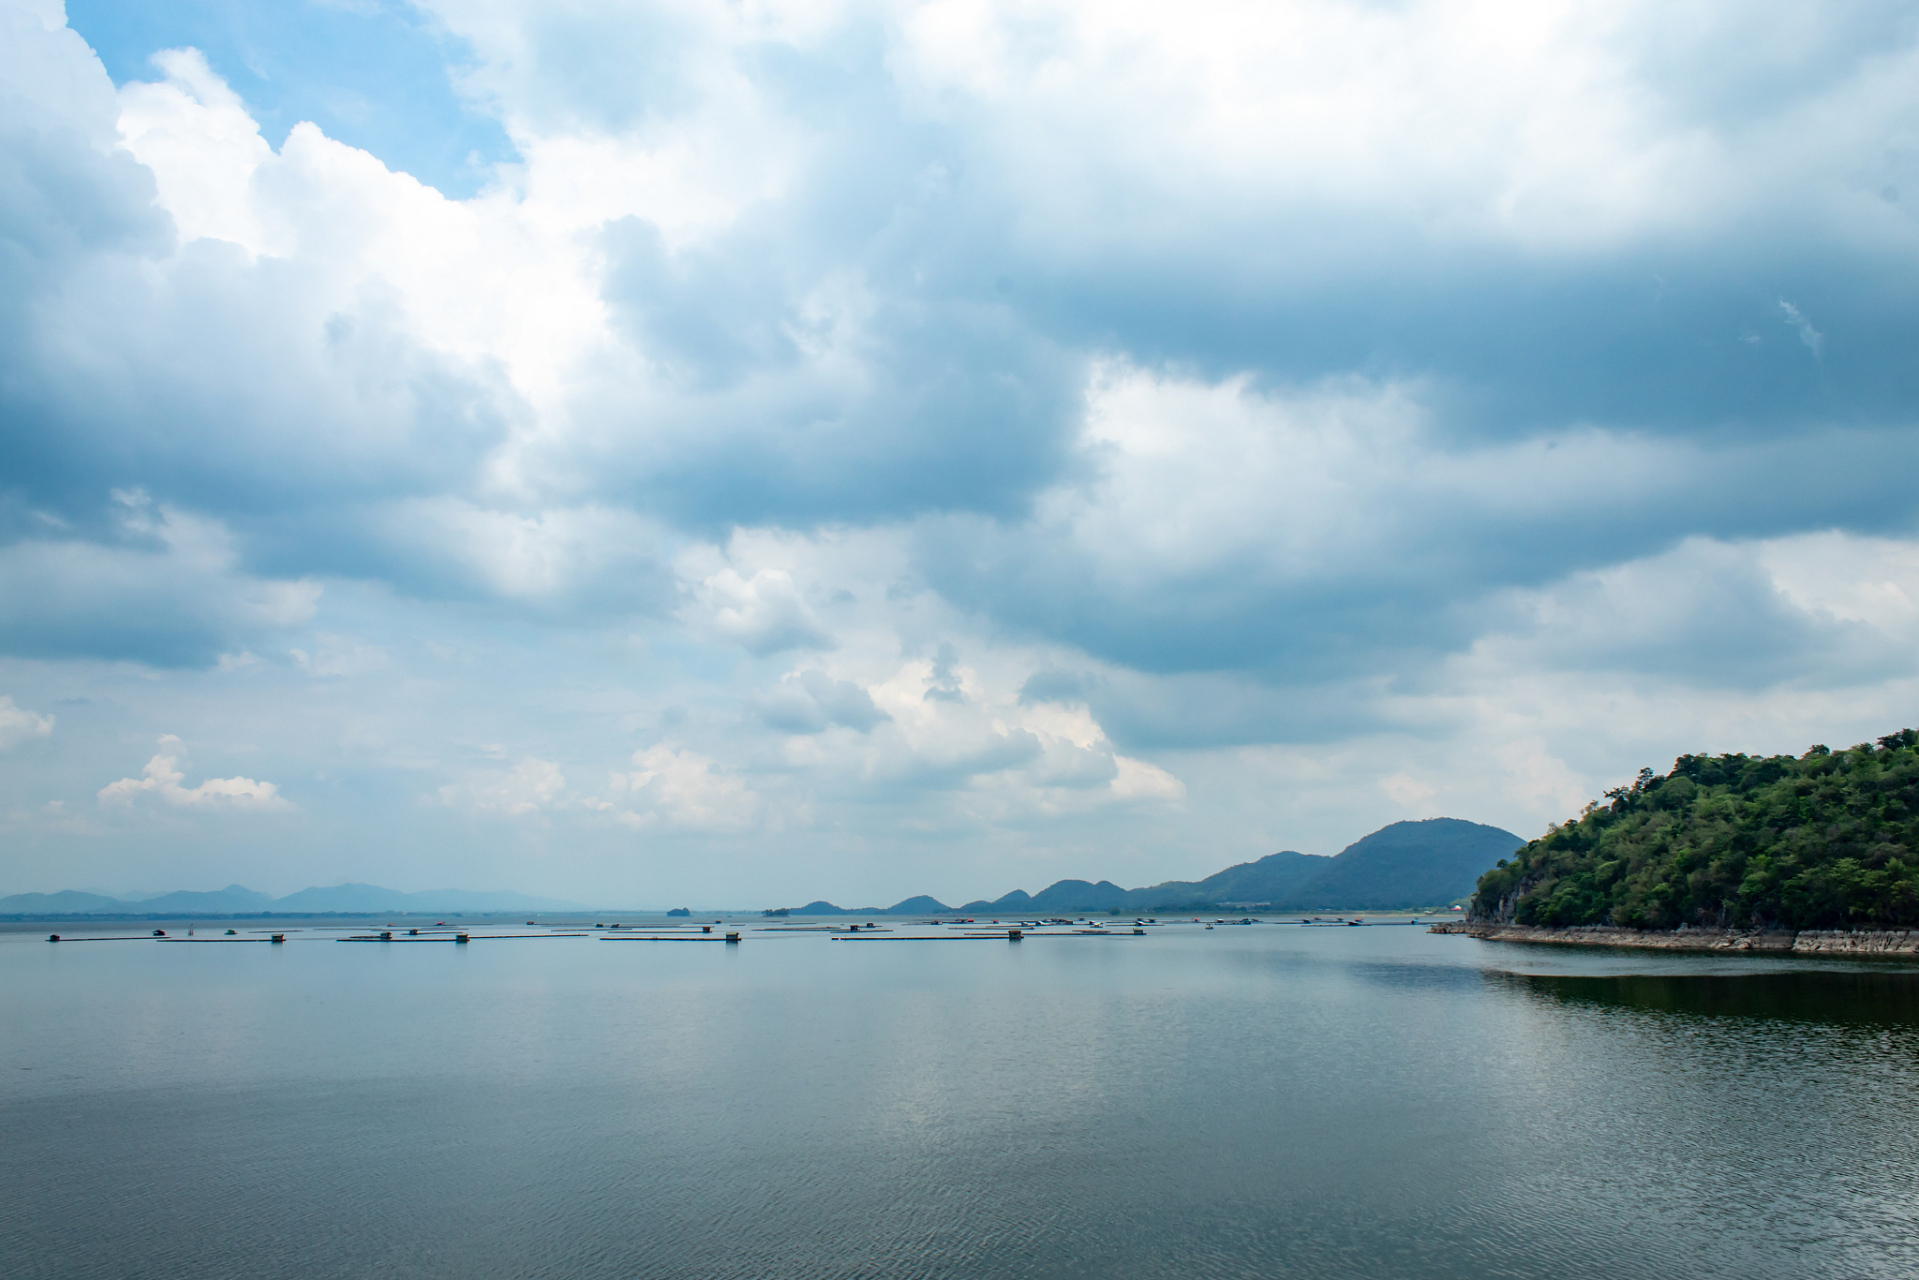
(131, 937)
(161, 937)
(458, 937)
(1010, 935)
(260, 940)
(935, 937)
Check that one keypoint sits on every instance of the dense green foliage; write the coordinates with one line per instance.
(1829, 840)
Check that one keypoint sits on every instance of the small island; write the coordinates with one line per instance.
(1815, 853)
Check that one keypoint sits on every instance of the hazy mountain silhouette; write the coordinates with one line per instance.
(1270, 879)
(233, 900)
(65, 902)
(237, 900)
(1407, 864)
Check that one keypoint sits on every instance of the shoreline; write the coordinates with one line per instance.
(1829, 942)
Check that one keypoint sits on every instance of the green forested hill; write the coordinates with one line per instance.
(1827, 840)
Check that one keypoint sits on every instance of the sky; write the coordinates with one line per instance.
(671, 454)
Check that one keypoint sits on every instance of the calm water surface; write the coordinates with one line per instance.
(1240, 1102)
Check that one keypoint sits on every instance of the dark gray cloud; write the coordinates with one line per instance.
(885, 336)
(167, 592)
(1685, 338)
(1407, 572)
(911, 400)
(968, 333)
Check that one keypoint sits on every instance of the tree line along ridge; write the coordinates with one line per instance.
(1827, 840)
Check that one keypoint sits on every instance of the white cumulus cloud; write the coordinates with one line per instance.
(765, 613)
(530, 786)
(684, 789)
(18, 724)
(163, 777)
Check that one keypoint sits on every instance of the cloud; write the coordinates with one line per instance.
(168, 589)
(963, 736)
(765, 614)
(961, 437)
(571, 562)
(1406, 790)
(69, 193)
(194, 134)
(531, 786)
(334, 657)
(1321, 533)
(684, 790)
(775, 297)
(262, 364)
(811, 701)
(1138, 780)
(1815, 341)
(18, 724)
(1747, 615)
(162, 777)
(749, 396)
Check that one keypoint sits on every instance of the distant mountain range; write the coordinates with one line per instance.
(236, 900)
(1408, 864)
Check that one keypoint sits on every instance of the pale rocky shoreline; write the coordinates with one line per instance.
(1836, 942)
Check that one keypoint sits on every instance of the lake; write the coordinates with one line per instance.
(1265, 1101)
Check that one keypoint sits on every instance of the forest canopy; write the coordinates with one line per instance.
(1829, 840)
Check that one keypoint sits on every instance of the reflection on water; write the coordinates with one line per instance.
(1231, 1103)
(1818, 996)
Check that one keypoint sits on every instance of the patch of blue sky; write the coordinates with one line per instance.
(372, 74)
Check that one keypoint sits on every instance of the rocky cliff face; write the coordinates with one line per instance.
(1836, 942)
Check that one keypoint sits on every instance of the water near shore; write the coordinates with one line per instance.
(1265, 1101)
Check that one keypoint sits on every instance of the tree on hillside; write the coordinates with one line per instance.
(1829, 839)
